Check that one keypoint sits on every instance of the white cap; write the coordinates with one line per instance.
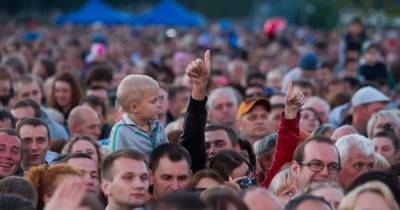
(368, 95)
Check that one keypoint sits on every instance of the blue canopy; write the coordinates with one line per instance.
(95, 11)
(171, 13)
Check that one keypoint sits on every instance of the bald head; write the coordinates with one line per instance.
(260, 199)
(343, 131)
(84, 120)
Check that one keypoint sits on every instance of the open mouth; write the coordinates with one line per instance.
(7, 165)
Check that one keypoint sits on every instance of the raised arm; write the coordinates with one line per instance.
(196, 115)
(288, 133)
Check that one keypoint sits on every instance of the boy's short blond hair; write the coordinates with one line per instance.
(132, 88)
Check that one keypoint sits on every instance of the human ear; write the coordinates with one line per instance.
(105, 187)
(133, 108)
(150, 178)
(295, 167)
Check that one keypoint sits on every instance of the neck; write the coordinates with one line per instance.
(143, 124)
(163, 119)
(115, 206)
(25, 166)
(359, 124)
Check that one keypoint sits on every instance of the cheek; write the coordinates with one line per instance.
(44, 146)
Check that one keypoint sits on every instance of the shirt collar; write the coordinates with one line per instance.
(127, 120)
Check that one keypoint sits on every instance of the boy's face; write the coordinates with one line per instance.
(149, 106)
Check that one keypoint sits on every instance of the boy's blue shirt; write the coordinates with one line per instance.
(126, 134)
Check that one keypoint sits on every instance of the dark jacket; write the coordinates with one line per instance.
(193, 138)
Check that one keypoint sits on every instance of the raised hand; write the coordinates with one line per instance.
(68, 195)
(199, 69)
(293, 102)
(199, 72)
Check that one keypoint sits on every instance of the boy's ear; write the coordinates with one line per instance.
(133, 108)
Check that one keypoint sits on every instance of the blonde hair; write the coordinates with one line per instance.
(348, 202)
(282, 180)
(380, 163)
(132, 88)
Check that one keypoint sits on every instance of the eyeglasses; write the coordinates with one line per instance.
(318, 166)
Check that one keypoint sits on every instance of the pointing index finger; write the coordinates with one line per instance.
(207, 59)
(289, 90)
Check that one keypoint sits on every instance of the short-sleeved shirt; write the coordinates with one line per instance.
(127, 135)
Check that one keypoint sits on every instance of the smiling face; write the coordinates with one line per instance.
(10, 154)
(314, 151)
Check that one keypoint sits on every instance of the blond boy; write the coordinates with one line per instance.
(139, 127)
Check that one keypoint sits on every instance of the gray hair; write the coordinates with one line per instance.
(315, 99)
(354, 141)
(389, 113)
(265, 144)
(216, 92)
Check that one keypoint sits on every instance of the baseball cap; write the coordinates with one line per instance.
(368, 95)
(248, 104)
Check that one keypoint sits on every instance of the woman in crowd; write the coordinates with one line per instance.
(371, 195)
(65, 93)
(84, 144)
(309, 120)
(283, 185)
(387, 144)
(204, 180)
(233, 167)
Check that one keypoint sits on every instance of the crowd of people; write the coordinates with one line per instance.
(219, 118)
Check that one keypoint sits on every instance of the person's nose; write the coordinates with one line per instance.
(212, 150)
(34, 146)
(175, 185)
(138, 184)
